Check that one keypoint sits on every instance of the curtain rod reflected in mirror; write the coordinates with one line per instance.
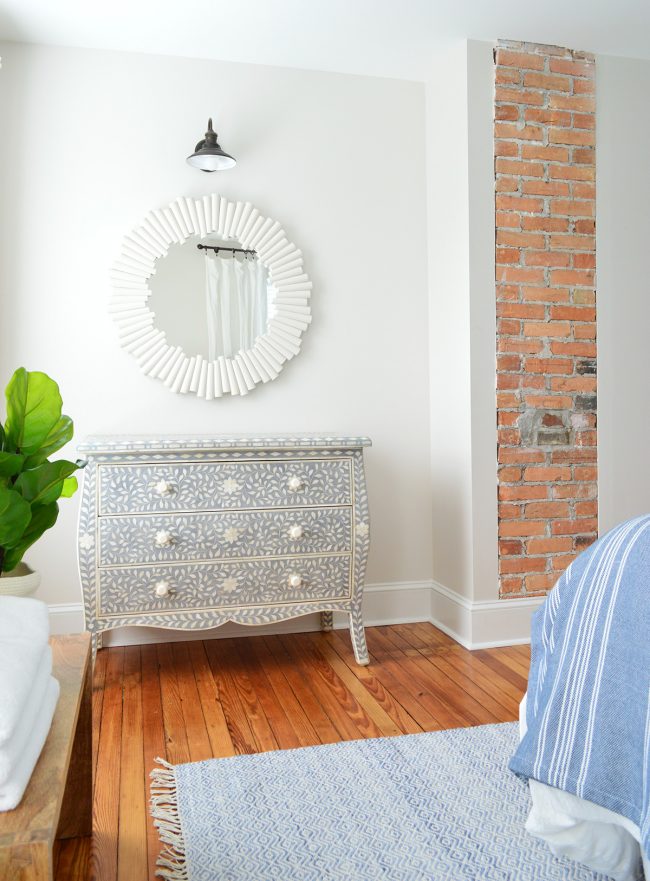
(217, 248)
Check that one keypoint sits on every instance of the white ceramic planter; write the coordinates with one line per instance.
(20, 582)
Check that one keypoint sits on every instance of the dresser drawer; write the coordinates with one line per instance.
(208, 486)
(169, 538)
(129, 590)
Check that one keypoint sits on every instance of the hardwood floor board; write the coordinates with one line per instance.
(153, 738)
(343, 709)
(504, 693)
(99, 679)
(132, 844)
(106, 802)
(216, 723)
(73, 862)
(467, 685)
(238, 727)
(452, 707)
(494, 659)
(369, 703)
(374, 682)
(198, 740)
(228, 654)
(514, 661)
(302, 689)
(177, 746)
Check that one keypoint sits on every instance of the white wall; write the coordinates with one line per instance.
(623, 287)
(92, 140)
(462, 320)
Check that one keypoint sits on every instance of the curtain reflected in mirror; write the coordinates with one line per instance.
(211, 301)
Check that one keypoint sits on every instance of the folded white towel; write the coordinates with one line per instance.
(24, 617)
(11, 791)
(20, 662)
(11, 750)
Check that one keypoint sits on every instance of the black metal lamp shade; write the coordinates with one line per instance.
(208, 155)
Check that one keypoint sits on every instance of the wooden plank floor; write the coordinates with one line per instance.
(196, 700)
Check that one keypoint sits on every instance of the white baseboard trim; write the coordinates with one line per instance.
(475, 625)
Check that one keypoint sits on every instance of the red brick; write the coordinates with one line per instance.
(546, 82)
(546, 295)
(510, 473)
(510, 547)
(547, 154)
(507, 76)
(520, 310)
(509, 362)
(507, 255)
(574, 455)
(584, 331)
(521, 456)
(548, 224)
(572, 172)
(573, 243)
(518, 96)
(547, 329)
(573, 68)
(572, 207)
(526, 60)
(540, 473)
(580, 137)
(581, 350)
(527, 133)
(509, 511)
(575, 490)
(512, 166)
(561, 562)
(581, 103)
(584, 156)
(512, 565)
(512, 585)
(587, 509)
(508, 219)
(506, 148)
(540, 582)
(514, 528)
(586, 472)
(512, 493)
(519, 275)
(519, 203)
(581, 190)
(507, 292)
(520, 239)
(573, 383)
(547, 117)
(573, 313)
(544, 188)
(549, 366)
(569, 527)
(507, 112)
(538, 510)
(546, 258)
(549, 402)
(584, 120)
(572, 277)
(549, 545)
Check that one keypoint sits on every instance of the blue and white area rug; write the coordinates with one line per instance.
(423, 807)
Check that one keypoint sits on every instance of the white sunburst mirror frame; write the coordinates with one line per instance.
(182, 373)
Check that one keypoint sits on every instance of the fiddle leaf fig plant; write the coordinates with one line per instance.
(31, 485)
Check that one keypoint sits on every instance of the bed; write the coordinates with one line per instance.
(585, 720)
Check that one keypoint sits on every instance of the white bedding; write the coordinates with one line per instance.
(583, 831)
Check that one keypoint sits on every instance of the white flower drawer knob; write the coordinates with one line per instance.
(162, 589)
(296, 531)
(295, 581)
(163, 488)
(163, 538)
(295, 483)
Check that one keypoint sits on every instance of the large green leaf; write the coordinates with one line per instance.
(70, 487)
(10, 464)
(33, 410)
(42, 518)
(58, 436)
(44, 484)
(15, 514)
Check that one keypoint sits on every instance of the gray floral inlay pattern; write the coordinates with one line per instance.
(189, 533)
(131, 539)
(213, 585)
(206, 486)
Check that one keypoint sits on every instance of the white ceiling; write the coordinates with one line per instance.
(375, 37)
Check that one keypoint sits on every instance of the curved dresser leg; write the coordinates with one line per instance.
(326, 620)
(358, 636)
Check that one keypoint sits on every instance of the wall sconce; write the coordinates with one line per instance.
(208, 155)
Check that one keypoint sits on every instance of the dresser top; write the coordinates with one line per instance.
(119, 443)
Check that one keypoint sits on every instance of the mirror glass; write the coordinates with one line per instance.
(211, 296)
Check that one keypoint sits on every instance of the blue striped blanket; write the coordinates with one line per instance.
(588, 708)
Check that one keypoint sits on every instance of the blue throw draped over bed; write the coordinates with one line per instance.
(588, 707)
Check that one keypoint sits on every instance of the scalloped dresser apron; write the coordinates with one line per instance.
(188, 533)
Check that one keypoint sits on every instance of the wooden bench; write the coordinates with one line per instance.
(58, 800)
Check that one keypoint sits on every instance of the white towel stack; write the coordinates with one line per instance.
(28, 693)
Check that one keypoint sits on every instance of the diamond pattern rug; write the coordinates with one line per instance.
(440, 806)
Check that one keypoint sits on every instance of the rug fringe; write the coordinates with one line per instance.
(163, 805)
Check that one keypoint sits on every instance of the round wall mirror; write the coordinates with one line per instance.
(210, 296)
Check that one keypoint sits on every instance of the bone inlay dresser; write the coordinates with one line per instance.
(190, 532)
